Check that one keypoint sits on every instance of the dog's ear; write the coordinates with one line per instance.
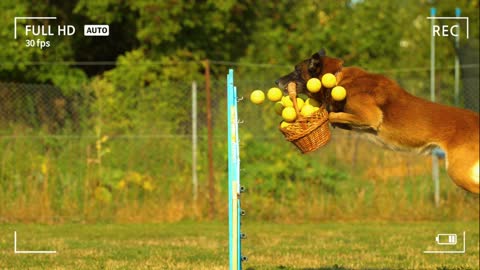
(316, 59)
(319, 54)
(322, 52)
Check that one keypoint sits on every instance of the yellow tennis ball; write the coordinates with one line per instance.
(339, 93)
(278, 107)
(300, 103)
(284, 124)
(307, 110)
(257, 97)
(329, 80)
(289, 114)
(274, 94)
(287, 102)
(314, 85)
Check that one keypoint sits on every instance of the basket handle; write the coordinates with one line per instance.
(292, 93)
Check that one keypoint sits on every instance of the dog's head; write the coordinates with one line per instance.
(314, 67)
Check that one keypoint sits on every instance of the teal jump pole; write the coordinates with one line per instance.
(234, 190)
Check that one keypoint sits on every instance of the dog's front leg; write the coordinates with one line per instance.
(349, 119)
(366, 119)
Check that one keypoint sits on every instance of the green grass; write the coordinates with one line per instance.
(189, 245)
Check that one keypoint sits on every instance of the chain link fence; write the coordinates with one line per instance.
(39, 105)
(43, 106)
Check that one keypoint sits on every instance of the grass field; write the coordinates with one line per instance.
(189, 245)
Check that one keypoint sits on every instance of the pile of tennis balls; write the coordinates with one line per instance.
(306, 106)
(328, 81)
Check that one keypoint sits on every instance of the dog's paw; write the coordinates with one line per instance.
(332, 116)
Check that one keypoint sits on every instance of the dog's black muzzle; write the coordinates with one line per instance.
(282, 82)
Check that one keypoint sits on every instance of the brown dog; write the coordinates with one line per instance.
(378, 106)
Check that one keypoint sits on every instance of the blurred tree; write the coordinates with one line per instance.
(21, 63)
(374, 34)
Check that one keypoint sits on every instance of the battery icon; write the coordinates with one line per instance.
(446, 239)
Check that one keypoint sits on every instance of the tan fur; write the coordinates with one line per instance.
(476, 173)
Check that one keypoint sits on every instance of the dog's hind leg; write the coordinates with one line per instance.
(463, 167)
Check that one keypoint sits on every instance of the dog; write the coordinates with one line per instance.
(377, 106)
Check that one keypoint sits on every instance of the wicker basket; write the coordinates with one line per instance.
(309, 133)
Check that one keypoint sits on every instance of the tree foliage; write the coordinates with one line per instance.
(376, 34)
(153, 42)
